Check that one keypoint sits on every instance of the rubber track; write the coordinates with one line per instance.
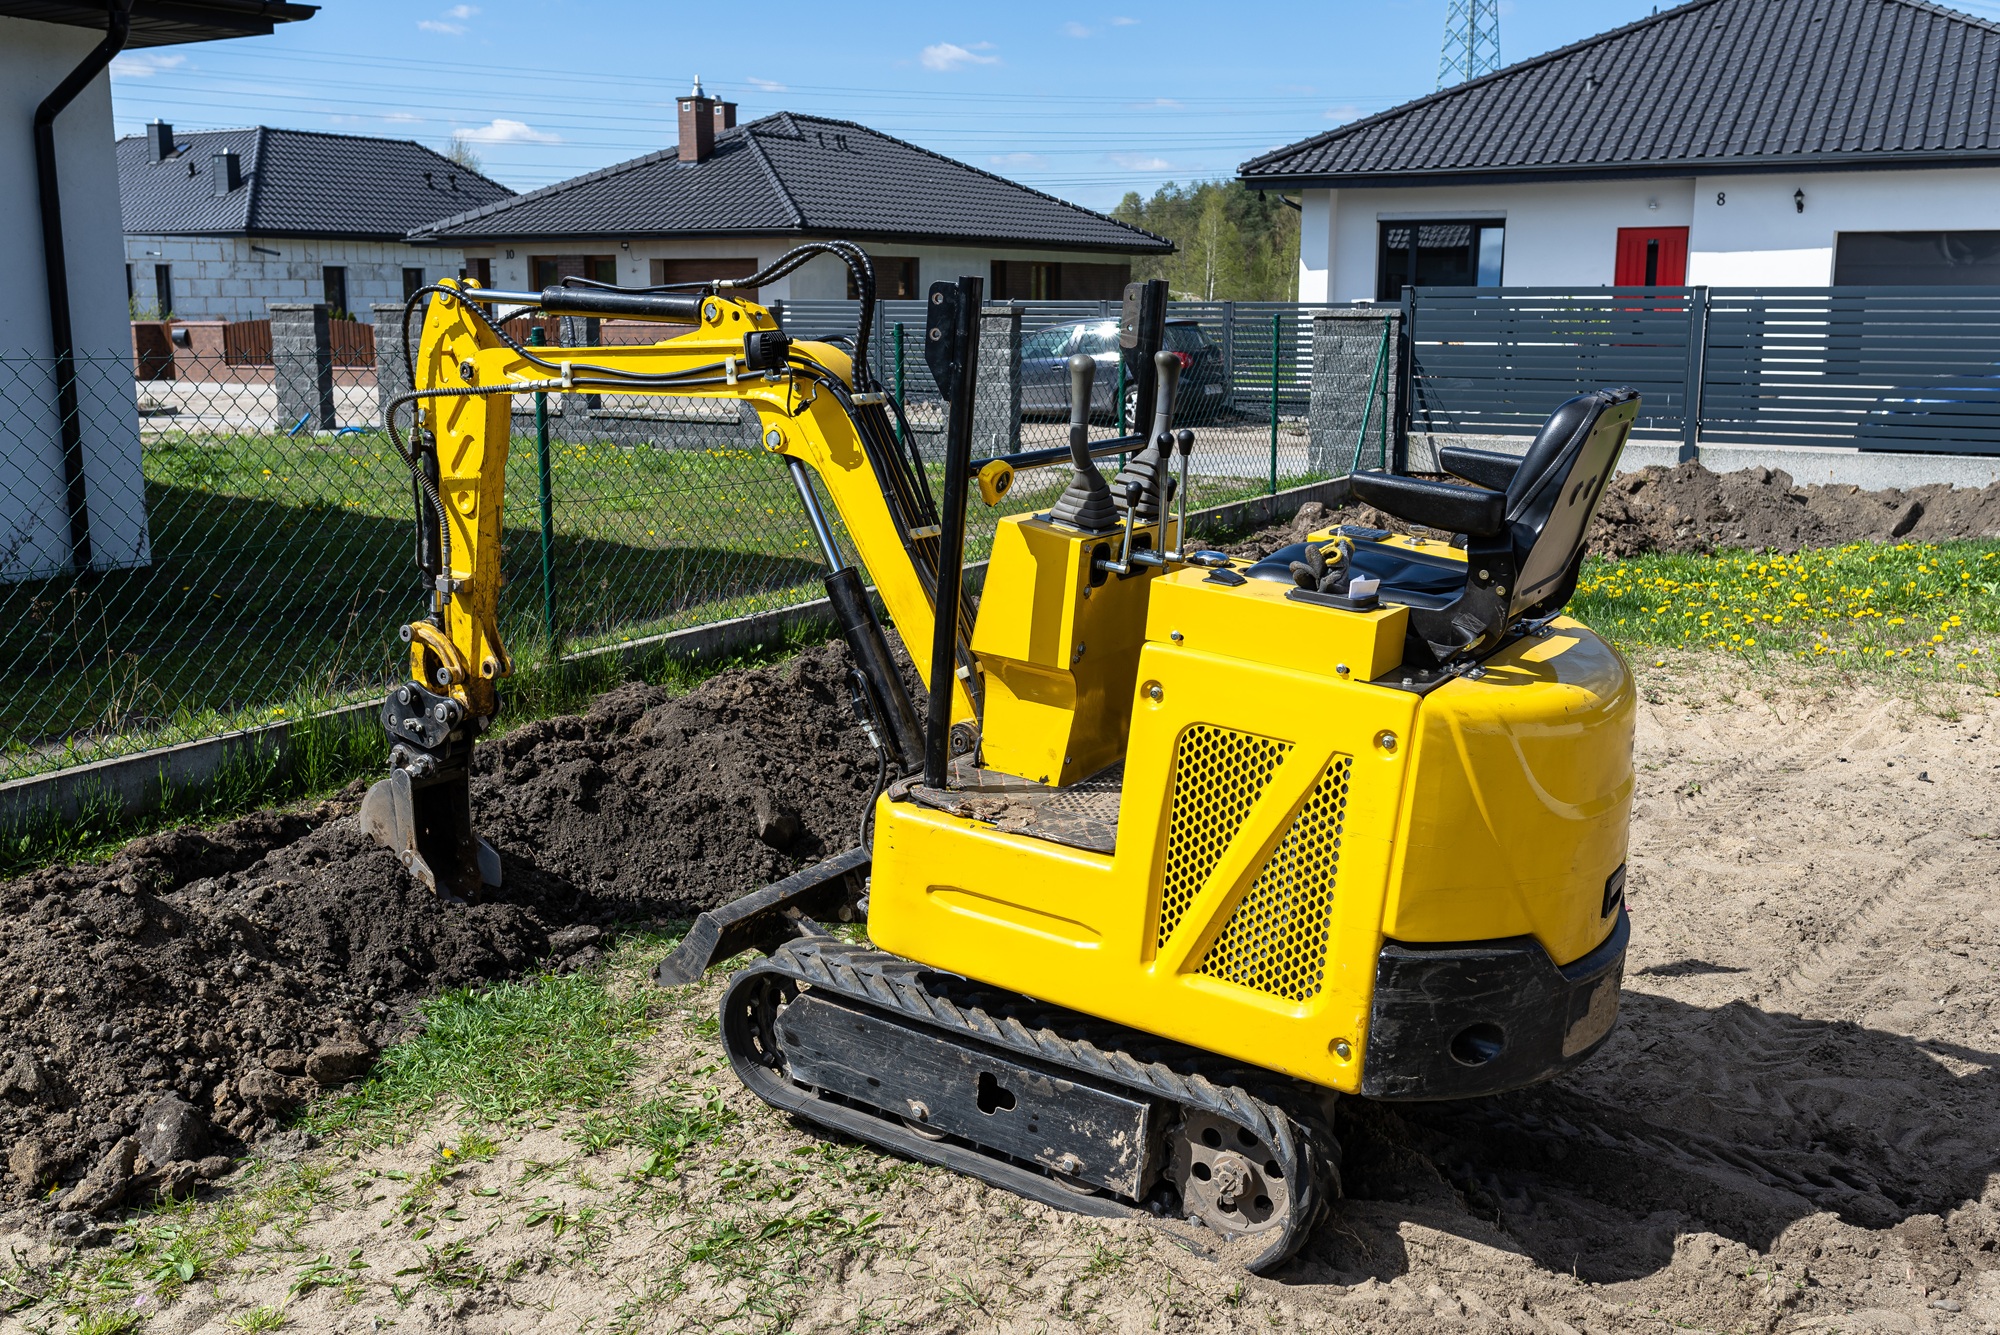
(1292, 1119)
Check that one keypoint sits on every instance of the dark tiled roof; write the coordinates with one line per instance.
(1716, 85)
(168, 22)
(800, 174)
(295, 183)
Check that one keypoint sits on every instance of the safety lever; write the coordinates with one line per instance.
(1134, 491)
(1185, 439)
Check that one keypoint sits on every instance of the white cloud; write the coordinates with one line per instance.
(504, 131)
(1159, 104)
(1075, 29)
(403, 117)
(1123, 22)
(433, 25)
(767, 85)
(1345, 112)
(1139, 162)
(145, 64)
(461, 11)
(947, 56)
(1017, 161)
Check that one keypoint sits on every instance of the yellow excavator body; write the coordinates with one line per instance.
(1284, 811)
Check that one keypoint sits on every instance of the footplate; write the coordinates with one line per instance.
(1103, 1120)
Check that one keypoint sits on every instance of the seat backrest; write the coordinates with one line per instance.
(1555, 491)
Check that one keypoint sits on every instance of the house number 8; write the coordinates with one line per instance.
(1722, 197)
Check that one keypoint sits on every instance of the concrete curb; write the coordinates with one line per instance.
(138, 783)
(1807, 465)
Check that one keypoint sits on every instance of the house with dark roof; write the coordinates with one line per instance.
(1749, 143)
(220, 223)
(72, 494)
(728, 199)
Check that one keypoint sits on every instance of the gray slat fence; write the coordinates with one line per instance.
(1876, 368)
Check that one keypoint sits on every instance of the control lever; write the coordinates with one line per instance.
(1134, 491)
(1086, 504)
(1185, 439)
(1149, 465)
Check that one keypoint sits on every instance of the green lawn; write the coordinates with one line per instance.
(1925, 607)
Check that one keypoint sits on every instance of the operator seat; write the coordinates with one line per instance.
(1524, 524)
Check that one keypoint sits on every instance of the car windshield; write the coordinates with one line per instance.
(1047, 342)
(1099, 339)
(1186, 338)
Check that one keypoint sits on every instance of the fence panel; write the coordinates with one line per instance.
(1914, 368)
(1499, 360)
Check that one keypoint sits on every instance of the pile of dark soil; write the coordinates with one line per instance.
(240, 968)
(1688, 509)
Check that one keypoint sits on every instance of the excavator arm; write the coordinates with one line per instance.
(830, 431)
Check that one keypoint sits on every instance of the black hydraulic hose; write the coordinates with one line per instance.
(55, 266)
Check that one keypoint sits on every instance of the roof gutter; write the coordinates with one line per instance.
(1623, 172)
(56, 266)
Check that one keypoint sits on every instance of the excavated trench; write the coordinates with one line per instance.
(220, 977)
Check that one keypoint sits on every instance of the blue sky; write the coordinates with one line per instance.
(1083, 102)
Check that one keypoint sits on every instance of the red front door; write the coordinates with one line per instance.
(1652, 257)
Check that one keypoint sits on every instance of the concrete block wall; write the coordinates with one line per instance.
(302, 364)
(234, 278)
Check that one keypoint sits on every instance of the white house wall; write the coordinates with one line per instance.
(235, 278)
(822, 277)
(34, 529)
(1566, 233)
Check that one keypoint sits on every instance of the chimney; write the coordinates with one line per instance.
(162, 136)
(725, 116)
(698, 117)
(226, 171)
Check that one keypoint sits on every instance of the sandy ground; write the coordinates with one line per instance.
(1796, 1126)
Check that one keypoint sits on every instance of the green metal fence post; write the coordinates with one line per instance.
(1121, 403)
(548, 512)
(902, 405)
(1274, 403)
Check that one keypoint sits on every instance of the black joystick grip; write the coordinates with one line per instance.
(1082, 376)
(1086, 503)
(1168, 367)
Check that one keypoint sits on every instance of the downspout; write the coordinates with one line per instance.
(56, 264)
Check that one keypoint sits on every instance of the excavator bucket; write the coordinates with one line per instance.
(428, 826)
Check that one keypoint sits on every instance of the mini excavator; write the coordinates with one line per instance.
(1180, 847)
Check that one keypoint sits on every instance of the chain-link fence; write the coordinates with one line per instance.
(249, 560)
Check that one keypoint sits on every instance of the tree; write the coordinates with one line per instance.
(1231, 244)
(464, 154)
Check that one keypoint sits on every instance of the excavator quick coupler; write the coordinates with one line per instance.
(423, 811)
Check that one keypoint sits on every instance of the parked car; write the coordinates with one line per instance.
(1045, 355)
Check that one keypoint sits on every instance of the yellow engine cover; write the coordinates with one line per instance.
(1279, 819)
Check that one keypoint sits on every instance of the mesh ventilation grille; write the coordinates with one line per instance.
(1218, 776)
(1275, 942)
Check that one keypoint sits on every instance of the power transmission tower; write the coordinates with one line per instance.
(1471, 41)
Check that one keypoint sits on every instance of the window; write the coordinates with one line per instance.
(1445, 253)
(1187, 338)
(479, 271)
(163, 289)
(1928, 259)
(1095, 282)
(1027, 280)
(333, 290)
(1099, 339)
(703, 271)
(1044, 344)
(895, 278)
(412, 280)
(549, 270)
